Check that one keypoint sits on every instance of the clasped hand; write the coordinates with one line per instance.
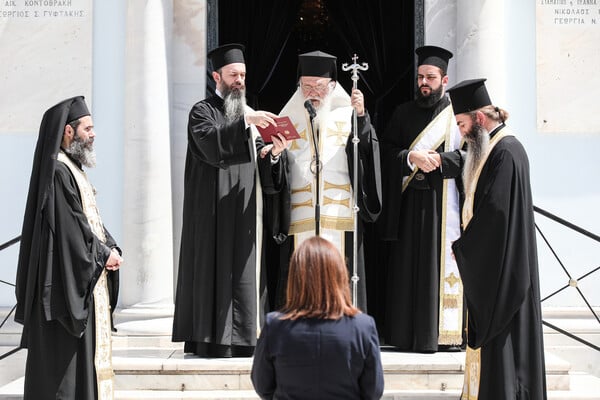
(426, 160)
(114, 260)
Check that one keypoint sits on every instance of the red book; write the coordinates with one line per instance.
(284, 126)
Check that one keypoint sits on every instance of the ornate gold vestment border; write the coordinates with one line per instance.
(473, 356)
(103, 350)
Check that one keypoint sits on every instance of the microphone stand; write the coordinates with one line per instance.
(317, 165)
(355, 140)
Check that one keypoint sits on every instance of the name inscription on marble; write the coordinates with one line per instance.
(47, 57)
(39, 9)
(567, 57)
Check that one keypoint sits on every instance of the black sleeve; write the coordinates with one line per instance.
(263, 370)
(272, 178)
(371, 380)
(497, 248)
(452, 164)
(369, 169)
(112, 278)
(215, 141)
(77, 261)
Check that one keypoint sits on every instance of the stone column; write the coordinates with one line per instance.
(188, 81)
(147, 275)
(440, 30)
(481, 46)
(474, 32)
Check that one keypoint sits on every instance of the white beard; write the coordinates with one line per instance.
(323, 113)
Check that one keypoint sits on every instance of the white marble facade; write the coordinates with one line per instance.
(46, 50)
(474, 32)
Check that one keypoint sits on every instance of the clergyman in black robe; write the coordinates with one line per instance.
(330, 198)
(219, 303)
(421, 164)
(67, 274)
(497, 256)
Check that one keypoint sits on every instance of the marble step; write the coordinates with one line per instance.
(250, 394)
(392, 395)
(167, 374)
(171, 370)
(584, 387)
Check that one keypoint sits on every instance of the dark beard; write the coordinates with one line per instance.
(478, 140)
(82, 151)
(431, 100)
(234, 103)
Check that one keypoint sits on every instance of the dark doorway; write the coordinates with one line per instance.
(381, 33)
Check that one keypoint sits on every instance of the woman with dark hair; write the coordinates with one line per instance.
(319, 346)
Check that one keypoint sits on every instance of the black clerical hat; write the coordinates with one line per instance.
(469, 95)
(317, 63)
(433, 55)
(226, 54)
(77, 109)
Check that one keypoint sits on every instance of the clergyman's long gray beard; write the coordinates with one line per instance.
(82, 151)
(234, 105)
(478, 146)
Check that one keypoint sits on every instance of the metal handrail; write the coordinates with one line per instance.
(10, 243)
(2, 247)
(572, 282)
(13, 351)
(566, 223)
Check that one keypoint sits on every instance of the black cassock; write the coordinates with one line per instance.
(497, 258)
(278, 209)
(216, 304)
(411, 221)
(60, 261)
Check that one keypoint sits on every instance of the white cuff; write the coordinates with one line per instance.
(410, 165)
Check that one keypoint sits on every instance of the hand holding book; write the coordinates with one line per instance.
(283, 126)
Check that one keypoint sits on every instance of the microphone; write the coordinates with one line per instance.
(310, 108)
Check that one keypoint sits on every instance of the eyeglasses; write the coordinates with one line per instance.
(321, 87)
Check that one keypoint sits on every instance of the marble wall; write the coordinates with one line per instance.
(46, 49)
(567, 60)
(539, 68)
